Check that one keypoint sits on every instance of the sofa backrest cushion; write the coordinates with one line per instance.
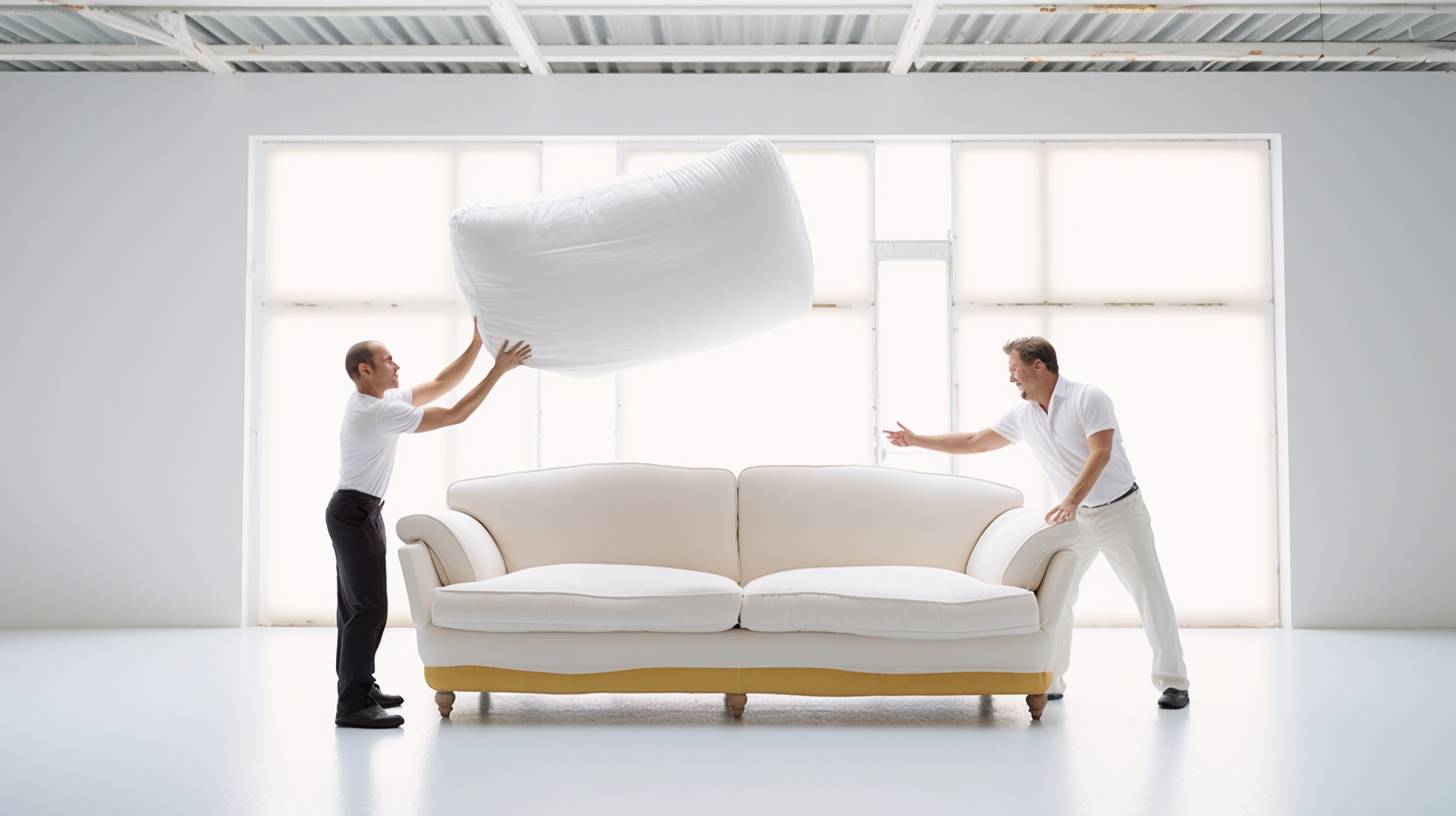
(797, 517)
(617, 513)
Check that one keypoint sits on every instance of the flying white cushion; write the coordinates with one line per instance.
(643, 269)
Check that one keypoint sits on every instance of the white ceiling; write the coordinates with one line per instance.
(680, 36)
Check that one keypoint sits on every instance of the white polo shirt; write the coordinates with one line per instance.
(1058, 438)
(370, 434)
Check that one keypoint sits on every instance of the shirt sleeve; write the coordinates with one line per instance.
(1094, 411)
(1008, 426)
(396, 415)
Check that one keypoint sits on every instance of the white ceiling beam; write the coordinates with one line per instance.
(719, 53)
(482, 8)
(681, 9)
(71, 52)
(175, 24)
(676, 8)
(1390, 52)
(1193, 52)
(1205, 8)
(1027, 52)
(372, 53)
(514, 25)
(170, 30)
(459, 53)
(912, 36)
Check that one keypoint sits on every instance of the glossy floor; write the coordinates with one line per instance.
(240, 722)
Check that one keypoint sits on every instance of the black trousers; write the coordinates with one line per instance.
(356, 527)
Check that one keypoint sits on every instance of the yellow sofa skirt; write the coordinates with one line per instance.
(805, 681)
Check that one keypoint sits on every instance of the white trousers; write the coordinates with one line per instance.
(1123, 531)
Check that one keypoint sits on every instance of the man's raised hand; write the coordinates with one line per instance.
(511, 356)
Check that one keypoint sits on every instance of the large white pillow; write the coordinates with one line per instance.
(645, 268)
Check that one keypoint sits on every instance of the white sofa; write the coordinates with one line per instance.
(841, 580)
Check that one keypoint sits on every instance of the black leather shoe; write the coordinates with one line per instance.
(1173, 698)
(1054, 695)
(385, 700)
(370, 717)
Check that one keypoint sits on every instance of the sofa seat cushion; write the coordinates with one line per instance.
(591, 598)
(895, 602)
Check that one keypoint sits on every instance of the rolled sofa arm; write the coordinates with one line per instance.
(420, 581)
(1015, 549)
(1055, 593)
(460, 547)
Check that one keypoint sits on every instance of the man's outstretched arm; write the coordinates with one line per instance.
(427, 392)
(977, 442)
(506, 359)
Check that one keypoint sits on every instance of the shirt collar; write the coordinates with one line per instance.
(1059, 393)
(1062, 387)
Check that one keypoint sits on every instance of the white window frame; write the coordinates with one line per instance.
(250, 590)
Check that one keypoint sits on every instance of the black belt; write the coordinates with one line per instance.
(370, 496)
(1130, 491)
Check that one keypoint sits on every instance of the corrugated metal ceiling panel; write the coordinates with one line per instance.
(874, 27)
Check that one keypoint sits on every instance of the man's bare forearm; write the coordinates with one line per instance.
(1091, 472)
(462, 410)
(452, 374)
(508, 358)
(977, 442)
(436, 417)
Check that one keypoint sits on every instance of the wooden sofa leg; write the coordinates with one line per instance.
(1036, 702)
(736, 702)
(446, 701)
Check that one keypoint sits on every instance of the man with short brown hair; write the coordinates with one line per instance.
(375, 416)
(1074, 435)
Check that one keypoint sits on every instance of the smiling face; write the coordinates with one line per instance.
(1032, 379)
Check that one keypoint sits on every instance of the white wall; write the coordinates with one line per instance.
(123, 207)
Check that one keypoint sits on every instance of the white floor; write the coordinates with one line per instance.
(240, 722)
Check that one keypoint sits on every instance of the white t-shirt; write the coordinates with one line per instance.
(369, 436)
(1058, 438)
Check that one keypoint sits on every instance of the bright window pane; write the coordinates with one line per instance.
(914, 356)
(912, 192)
(570, 167)
(356, 224)
(1176, 222)
(642, 159)
(498, 174)
(833, 185)
(998, 224)
(578, 420)
(799, 394)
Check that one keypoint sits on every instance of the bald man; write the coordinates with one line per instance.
(375, 416)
